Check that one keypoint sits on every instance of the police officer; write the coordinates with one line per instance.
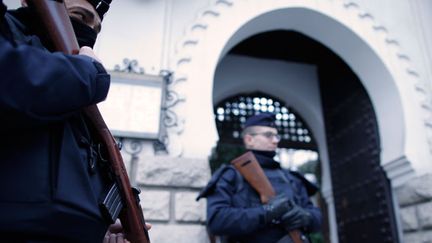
(51, 175)
(234, 210)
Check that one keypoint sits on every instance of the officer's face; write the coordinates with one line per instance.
(262, 138)
(84, 12)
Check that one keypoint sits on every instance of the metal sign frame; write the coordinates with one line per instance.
(130, 82)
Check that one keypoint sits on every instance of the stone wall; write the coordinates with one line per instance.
(169, 187)
(415, 200)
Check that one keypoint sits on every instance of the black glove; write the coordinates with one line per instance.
(296, 218)
(275, 208)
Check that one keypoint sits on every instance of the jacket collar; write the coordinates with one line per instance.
(265, 159)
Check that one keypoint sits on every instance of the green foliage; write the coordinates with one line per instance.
(223, 153)
(316, 238)
(308, 167)
(312, 167)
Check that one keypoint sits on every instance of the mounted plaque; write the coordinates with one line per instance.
(133, 105)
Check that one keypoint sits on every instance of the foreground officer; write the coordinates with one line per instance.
(51, 177)
(234, 210)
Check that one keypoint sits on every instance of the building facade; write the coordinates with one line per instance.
(354, 70)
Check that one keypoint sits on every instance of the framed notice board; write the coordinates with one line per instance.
(133, 105)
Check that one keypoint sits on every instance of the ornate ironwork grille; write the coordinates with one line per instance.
(231, 113)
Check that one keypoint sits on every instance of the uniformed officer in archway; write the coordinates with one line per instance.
(234, 210)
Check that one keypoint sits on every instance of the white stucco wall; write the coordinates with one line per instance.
(408, 22)
(148, 30)
(145, 30)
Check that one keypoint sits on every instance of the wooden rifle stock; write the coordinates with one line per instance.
(55, 18)
(251, 170)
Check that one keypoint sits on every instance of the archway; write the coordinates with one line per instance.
(266, 62)
(371, 58)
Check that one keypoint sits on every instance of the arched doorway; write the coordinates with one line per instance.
(362, 192)
(340, 27)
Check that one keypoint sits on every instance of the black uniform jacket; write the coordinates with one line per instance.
(234, 209)
(50, 181)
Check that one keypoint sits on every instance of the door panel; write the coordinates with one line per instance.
(362, 192)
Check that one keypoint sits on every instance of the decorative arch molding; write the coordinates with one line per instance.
(374, 55)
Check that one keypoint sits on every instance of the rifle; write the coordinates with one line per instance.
(55, 18)
(250, 169)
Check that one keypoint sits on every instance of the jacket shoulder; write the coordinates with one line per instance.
(225, 172)
(311, 188)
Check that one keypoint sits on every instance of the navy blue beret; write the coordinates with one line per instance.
(101, 6)
(262, 119)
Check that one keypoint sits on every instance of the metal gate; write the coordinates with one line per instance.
(362, 192)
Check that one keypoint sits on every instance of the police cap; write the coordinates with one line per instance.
(262, 119)
(101, 6)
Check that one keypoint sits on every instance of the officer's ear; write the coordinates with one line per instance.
(247, 140)
(24, 3)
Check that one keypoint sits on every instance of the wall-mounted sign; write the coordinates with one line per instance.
(133, 106)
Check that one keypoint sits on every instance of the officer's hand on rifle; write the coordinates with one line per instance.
(115, 233)
(296, 218)
(88, 51)
(275, 208)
